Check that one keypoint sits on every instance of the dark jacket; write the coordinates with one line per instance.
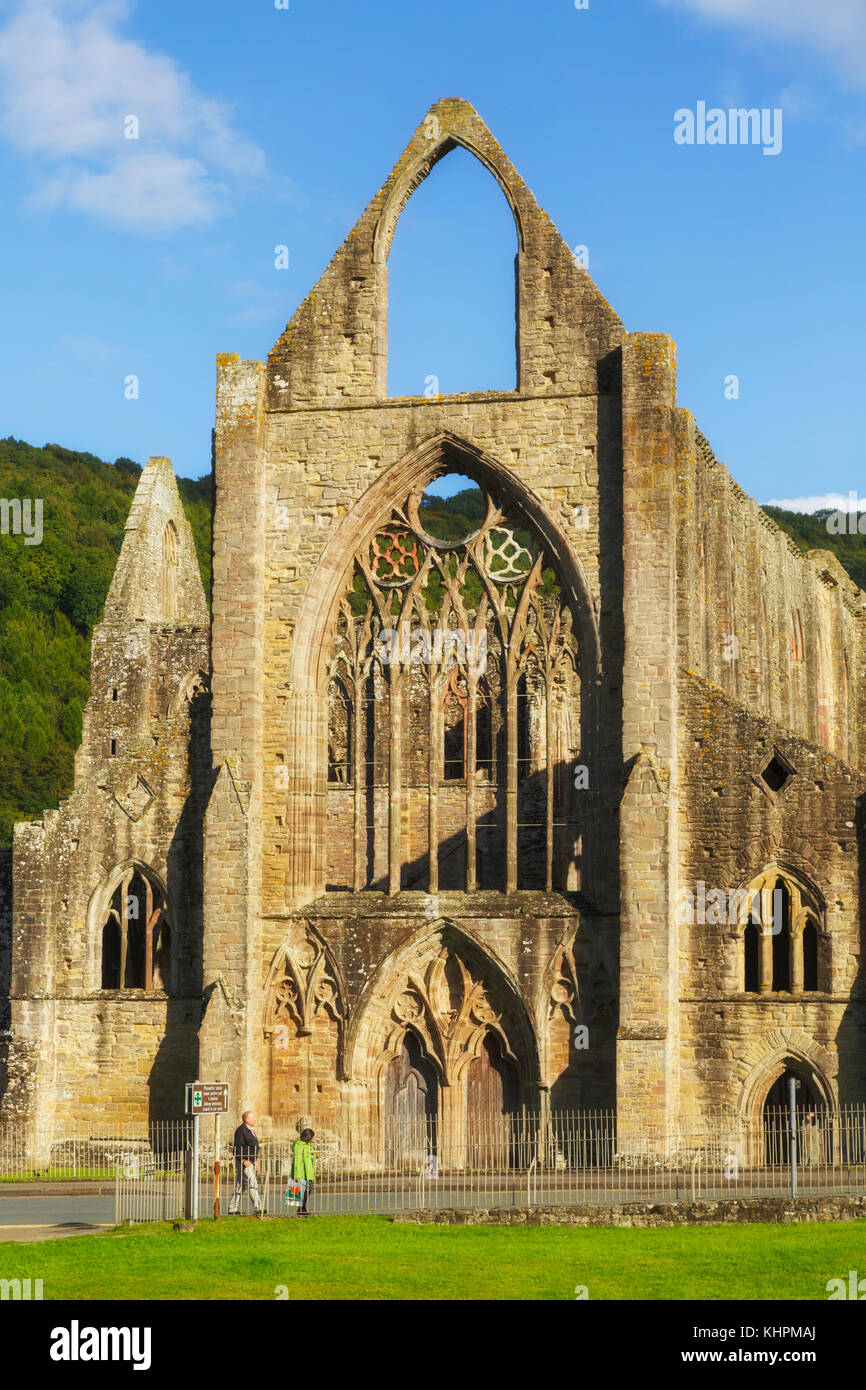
(245, 1144)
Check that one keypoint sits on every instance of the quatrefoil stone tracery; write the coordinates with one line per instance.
(394, 558)
(505, 559)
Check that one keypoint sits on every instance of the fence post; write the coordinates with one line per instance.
(792, 1125)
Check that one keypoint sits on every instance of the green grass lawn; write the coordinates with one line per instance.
(367, 1257)
(63, 1175)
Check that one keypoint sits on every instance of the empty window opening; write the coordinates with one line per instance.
(441, 725)
(810, 956)
(751, 943)
(454, 731)
(452, 508)
(136, 937)
(776, 773)
(451, 285)
(782, 942)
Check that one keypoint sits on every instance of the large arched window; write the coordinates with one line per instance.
(781, 917)
(136, 936)
(457, 612)
(451, 285)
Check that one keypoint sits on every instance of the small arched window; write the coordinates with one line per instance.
(781, 915)
(340, 733)
(781, 938)
(169, 571)
(136, 936)
(810, 956)
(454, 730)
(752, 963)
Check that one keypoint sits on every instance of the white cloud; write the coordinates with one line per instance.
(836, 29)
(84, 347)
(833, 500)
(68, 81)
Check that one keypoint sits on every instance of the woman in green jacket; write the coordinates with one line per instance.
(304, 1167)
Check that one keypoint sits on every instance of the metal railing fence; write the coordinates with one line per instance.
(525, 1159)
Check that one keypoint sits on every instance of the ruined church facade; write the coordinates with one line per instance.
(564, 814)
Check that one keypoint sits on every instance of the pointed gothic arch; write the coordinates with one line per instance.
(413, 175)
(799, 1054)
(781, 938)
(318, 657)
(451, 990)
(303, 1023)
(129, 930)
(442, 452)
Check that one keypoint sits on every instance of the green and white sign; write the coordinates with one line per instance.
(207, 1098)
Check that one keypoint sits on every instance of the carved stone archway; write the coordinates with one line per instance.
(462, 1007)
(778, 1051)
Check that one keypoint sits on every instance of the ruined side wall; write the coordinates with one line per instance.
(5, 965)
(780, 631)
(730, 829)
(142, 774)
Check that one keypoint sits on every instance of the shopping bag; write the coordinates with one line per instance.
(293, 1196)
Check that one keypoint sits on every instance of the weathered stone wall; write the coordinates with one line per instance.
(770, 1210)
(5, 964)
(732, 826)
(142, 776)
(782, 632)
(123, 1057)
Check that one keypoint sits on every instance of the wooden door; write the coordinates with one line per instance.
(411, 1096)
(491, 1104)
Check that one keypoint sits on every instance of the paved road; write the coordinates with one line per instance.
(53, 1210)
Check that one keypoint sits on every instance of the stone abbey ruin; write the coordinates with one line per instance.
(591, 837)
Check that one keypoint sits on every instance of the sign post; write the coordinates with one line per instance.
(205, 1098)
(216, 1166)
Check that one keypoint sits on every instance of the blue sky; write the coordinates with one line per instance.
(261, 127)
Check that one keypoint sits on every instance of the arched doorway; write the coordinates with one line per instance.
(810, 1120)
(411, 1102)
(491, 1106)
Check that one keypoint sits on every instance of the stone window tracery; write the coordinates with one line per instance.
(460, 667)
(136, 936)
(781, 920)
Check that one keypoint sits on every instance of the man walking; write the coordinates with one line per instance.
(304, 1167)
(245, 1148)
